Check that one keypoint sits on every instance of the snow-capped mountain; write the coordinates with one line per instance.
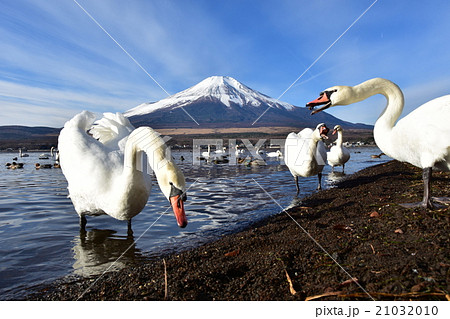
(224, 89)
(221, 101)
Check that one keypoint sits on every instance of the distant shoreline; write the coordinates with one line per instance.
(37, 142)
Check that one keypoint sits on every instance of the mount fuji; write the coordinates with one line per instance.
(221, 101)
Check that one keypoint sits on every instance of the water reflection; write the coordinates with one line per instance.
(98, 250)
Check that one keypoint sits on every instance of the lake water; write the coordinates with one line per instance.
(41, 239)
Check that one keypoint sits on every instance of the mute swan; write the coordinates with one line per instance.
(305, 153)
(207, 154)
(274, 154)
(23, 154)
(338, 154)
(421, 138)
(105, 170)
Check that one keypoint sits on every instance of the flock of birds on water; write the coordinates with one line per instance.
(54, 154)
(103, 163)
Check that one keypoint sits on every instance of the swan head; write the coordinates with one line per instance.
(336, 95)
(336, 129)
(177, 198)
(321, 131)
(173, 185)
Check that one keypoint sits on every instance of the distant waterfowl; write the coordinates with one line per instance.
(274, 154)
(239, 150)
(338, 154)
(105, 169)
(22, 154)
(217, 156)
(14, 165)
(39, 166)
(14, 158)
(44, 156)
(421, 138)
(207, 154)
(376, 156)
(257, 162)
(305, 153)
(54, 153)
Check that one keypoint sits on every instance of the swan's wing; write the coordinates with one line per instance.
(82, 121)
(305, 133)
(112, 129)
(296, 151)
(89, 166)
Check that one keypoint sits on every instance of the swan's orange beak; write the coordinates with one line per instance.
(178, 209)
(323, 99)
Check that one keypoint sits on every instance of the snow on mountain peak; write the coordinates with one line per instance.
(223, 88)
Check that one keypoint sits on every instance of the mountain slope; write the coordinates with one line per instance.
(220, 101)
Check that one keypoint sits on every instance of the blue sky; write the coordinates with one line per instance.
(55, 61)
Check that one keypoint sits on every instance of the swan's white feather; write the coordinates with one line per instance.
(98, 183)
(338, 154)
(422, 137)
(300, 157)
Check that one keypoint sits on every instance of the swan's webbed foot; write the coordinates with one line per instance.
(426, 204)
(442, 200)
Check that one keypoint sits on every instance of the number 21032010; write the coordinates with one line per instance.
(407, 311)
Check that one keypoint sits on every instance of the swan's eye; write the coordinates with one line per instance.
(328, 93)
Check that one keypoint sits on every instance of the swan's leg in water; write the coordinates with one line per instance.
(296, 184)
(319, 187)
(130, 231)
(343, 168)
(83, 222)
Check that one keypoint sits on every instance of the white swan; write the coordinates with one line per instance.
(105, 170)
(421, 138)
(23, 154)
(274, 154)
(305, 153)
(338, 154)
(207, 154)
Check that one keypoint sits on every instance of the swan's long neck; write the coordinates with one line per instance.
(386, 121)
(339, 139)
(312, 151)
(144, 139)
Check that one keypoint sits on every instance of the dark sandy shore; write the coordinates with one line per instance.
(356, 230)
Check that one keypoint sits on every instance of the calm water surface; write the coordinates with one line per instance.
(41, 240)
